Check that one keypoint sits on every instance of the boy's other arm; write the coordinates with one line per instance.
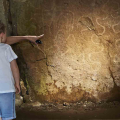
(16, 75)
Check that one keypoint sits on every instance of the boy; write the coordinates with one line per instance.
(9, 78)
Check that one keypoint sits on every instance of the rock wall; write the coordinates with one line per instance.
(79, 58)
(5, 15)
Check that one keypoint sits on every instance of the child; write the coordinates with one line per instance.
(9, 78)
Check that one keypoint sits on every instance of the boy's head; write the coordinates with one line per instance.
(2, 33)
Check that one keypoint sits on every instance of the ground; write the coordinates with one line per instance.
(70, 111)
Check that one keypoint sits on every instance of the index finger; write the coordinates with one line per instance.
(41, 35)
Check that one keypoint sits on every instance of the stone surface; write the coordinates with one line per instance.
(2, 12)
(79, 58)
(5, 15)
(19, 100)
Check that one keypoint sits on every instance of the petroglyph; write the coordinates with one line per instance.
(103, 27)
(96, 60)
(113, 27)
(95, 39)
(86, 21)
(65, 21)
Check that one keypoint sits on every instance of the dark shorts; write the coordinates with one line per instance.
(7, 106)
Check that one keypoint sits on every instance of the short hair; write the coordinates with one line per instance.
(2, 27)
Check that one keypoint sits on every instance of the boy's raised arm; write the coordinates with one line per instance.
(15, 39)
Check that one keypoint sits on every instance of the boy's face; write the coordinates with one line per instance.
(3, 37)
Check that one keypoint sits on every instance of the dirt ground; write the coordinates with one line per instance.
(76, 111)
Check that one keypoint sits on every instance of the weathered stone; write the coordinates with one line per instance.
(80, 57)
(19, 100)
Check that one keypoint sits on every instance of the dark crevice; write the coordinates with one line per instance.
(23, 68)
(111, 74)
(109, 68)
(41, 59)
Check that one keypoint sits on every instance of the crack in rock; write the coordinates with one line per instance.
(41, 59)
(111, 73)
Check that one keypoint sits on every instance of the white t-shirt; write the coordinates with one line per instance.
(6, 77)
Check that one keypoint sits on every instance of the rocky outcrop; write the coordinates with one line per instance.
(79, 58)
